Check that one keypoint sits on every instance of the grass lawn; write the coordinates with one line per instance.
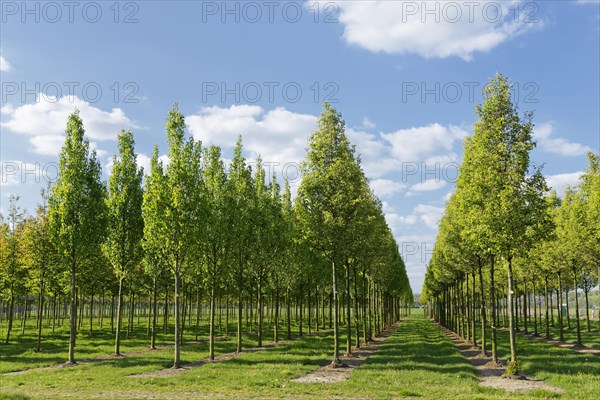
(416, 361)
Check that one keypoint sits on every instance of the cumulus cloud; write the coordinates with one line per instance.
(386, 187)
(427, 214)
(277, 135)
(419, 143)
(4, 65)
(428, 185)
(557, 145)
(437, 29)
(44, 121)
(559, 182)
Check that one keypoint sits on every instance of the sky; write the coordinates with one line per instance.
(406, 75)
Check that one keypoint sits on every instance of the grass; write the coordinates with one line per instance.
(416, 361)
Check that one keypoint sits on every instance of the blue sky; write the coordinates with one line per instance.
(406, 75)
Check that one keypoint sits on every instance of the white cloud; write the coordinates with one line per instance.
(386, 187)
(561, 146)
(425, 213)
(45, 120)
(278, 135)
(428, 185)
(452, 29)
(4, 65)
(417, 144)
(430, 215)
(559, 182)
(367, 124)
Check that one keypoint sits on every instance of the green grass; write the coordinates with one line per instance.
(416, 361)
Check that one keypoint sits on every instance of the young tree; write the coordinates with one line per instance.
(13, 273)
(239, 204)
(328, 197)
(184, 208)
(77, 210)
(153, 210)
(216, 236)
(125, 223)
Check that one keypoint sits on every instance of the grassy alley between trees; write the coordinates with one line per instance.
(416, 361)
(113, 288)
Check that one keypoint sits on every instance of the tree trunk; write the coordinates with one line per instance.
(587, 311)
(473, 314)
(336, 344)
(211, 346)
(11, 312)
(493, 309)
(559, 300)
(348, 305)
(154, 309)
(483, 316)
(119, 318)
(546, 293)
(576, 305)
(39, 317)
(513, 348)
(73, 316)
(177, 360)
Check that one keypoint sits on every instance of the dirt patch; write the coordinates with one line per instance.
(491, 374)
(167, 372)
(329, 374)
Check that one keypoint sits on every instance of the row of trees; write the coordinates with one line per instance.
(502, 221)
(210, 229)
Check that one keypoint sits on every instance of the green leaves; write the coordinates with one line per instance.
(125, 223)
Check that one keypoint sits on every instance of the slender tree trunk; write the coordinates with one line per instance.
(154, 310)
(211, 346)
(535, 324)
(493, 309)
(576, 305)
(364, 307)
(177, 360)
(483, 316)
(276, 326)
(119, 318)
(73, 316)
(11, 312)
(513, 347)
(546, 294)
(239, 316)
(260, 311)
(289, 314)
(356, 316)
(587, 311)
(473, 314)
(39, 317)
(336, 344)
(559, 300)
(348, 305)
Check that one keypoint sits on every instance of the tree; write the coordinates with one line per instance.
(123, 245)
(41, 259)
(77, 214)
(216, 237)
(13, 272)
(239, 205)
(184, 208)
(328, 196)
(153, 211)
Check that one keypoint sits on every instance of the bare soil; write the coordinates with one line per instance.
(328, 373)
(492, 374)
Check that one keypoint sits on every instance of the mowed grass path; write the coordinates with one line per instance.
(416, 361)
